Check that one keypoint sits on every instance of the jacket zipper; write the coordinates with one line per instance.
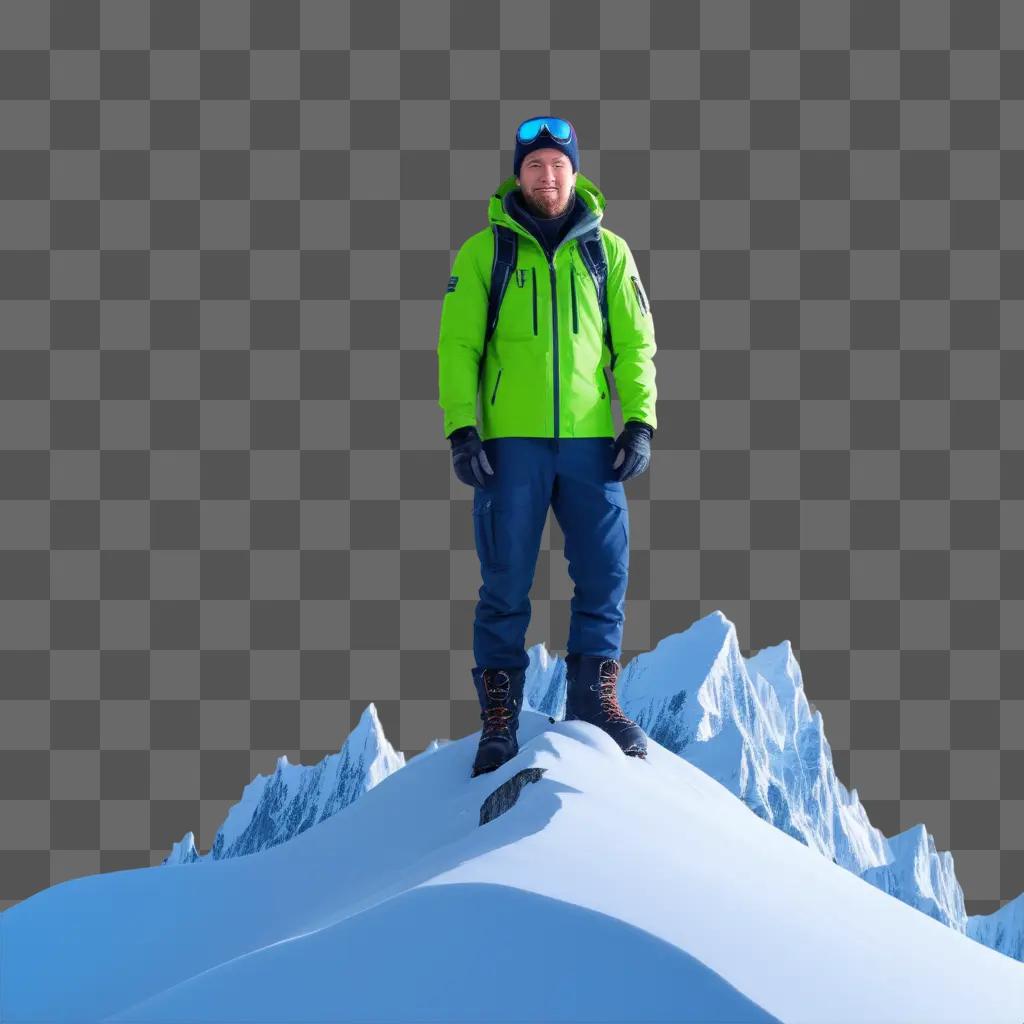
(533, 271)
(495, 391)
(554, 330)
(554, 323)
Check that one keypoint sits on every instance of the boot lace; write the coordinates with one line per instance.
(497, 714)
(608, 696)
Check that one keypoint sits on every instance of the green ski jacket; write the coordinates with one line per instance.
(544, 372)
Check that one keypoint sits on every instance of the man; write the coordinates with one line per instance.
(547, 437)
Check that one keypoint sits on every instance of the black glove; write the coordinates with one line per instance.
(468, 457)
(634, 447)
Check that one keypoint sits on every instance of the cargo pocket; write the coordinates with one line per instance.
(608, 546)
(485, 531)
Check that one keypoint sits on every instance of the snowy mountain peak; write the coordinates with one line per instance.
(1003, 929)
(747, 722)
(919, 875)
(277, 807)
(369, 733)
(183, 852)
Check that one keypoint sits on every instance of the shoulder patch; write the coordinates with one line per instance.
(452, 282)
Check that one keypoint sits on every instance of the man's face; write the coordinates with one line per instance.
(546, 179)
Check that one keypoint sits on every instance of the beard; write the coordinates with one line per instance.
(539, 210)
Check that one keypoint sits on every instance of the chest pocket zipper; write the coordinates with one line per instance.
(496, 383)
(533, 272)
(572, 288)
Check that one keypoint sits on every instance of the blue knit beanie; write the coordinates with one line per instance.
(546, 141)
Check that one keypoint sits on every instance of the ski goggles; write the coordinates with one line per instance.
(556, 128)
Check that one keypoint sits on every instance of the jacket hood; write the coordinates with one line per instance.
(589, 193)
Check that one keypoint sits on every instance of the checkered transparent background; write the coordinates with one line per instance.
(227, 515)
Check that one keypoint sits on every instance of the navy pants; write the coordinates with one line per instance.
(575, 477)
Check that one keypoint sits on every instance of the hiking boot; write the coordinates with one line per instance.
(591, 696)
(501, 698)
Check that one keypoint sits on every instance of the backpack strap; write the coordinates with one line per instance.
(506, 252)
(594, 256)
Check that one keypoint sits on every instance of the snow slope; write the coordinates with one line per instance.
(615, 889)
